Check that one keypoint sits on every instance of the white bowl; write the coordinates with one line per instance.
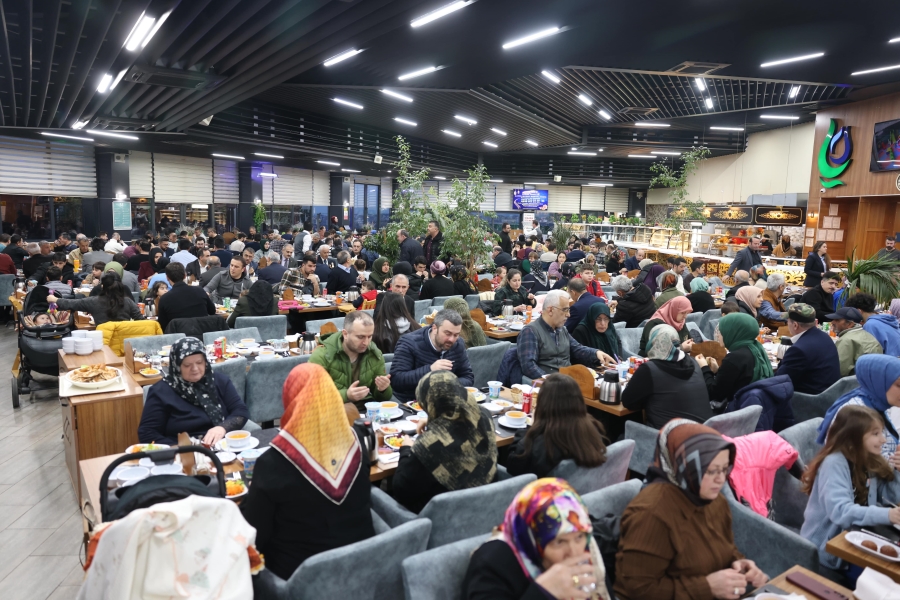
(173, 469)
(226, 457)
(97, 384)
(132, 474)
(237, 443)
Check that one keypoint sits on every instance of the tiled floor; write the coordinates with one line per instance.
(40, 526)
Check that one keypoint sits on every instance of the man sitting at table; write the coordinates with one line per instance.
(342, 277)
(812, 361)
(230, 283)
(302, 280)
(581, 302)
(545, 346)
(677, 266)
(852, 340)
(772, 313)
(354, 362)
(399, 285)
(274, 271)
(741, 279)
(183, 301)
(821, 296)
(435, 348)
(184, 255)
(698, 269)
(882, 326)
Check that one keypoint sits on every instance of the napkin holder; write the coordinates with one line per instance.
(134, 365)
(584, 379)
(82, 318)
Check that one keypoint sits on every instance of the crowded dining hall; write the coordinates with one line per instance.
(311, 300)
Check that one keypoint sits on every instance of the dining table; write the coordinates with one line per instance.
(781, 582)
(839, 546)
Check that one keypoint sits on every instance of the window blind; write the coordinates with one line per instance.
(45, 168)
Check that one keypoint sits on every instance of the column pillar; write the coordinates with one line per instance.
(340, 194)
(249, 189)
(112, 179)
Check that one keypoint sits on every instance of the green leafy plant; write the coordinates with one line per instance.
(562, 231)
(665, 176)
(877, 276)
(259, 216)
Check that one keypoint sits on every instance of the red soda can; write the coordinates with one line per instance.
(526, 401)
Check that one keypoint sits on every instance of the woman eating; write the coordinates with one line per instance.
(456, 452)
(381, 273)
(311, 490)
(700, 298)
(471, 332)
(113, 303)
(191, 399)
(438, 284)
(669, 385)
(669, 289)
(555, 267)
(745, 362)
(676, 539)
(537, 280)
(462, 285)
(513, 291)
(674, 312)
(596, 331)
(259, 301)
(543, 549)
(749, 298)
(562, 430)
(392, 321)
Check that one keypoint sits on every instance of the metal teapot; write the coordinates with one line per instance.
(352, 294)
(610, 390)
(507, 310)
(308, 345)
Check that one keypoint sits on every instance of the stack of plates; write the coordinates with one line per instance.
(84, 346)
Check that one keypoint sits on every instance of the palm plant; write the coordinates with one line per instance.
(877, 276)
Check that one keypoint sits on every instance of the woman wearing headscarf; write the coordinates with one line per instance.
(745, 362)
(471, 331)
(311, 490)
(749, 299)
(700, 298)
(878, 376)
(895, 308)
(381, 273)
(160, 272)
(676, 538)
(457, 451)
(148, 267)
(671, 313)
(567, 272)
(543, 549)
(462, 285)
(263, 250)
(438, 284)
(669, 385)
(537, 280)
(596, 331)
(669, 289)
(650, 271)
(191, 399)
(259, 301)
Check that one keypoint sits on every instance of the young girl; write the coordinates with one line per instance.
(849, 483)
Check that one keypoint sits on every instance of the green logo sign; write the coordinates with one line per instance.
(829, 165)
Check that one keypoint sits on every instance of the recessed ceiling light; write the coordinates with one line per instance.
(495, 181)
(441, 12)
(156, 27)
(229, 156)
(465, 120)
(709, 103)
(550, 76)
(666, 152)
(605, 114)
(718, 128)
(79, 124)
(341, 57)
(499, 131)
(783, 117)
(878, 70)
(439, 177)
(270, 175)
(598, 184)
(531, 143)
(532, 37)
(424, 71)
(139, 31)
(794, 91)
(491, 144)
(701, 85)
(790, 60)
(118, 79)
(267, 155)
(346, 103)
(587, 101)
(536, 183)
(104, 83)
(68, 137)
(349, 170)
(397, 95)
(583, 153)
(114, 134)
(451, 132)
(641, 156)
(328, 162)
(404, 121)
(650, 124)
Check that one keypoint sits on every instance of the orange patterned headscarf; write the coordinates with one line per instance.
(315, 435)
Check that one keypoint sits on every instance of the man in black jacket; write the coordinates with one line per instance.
(399, 285)
(342, 277)
(433, 242)
(505, 242)
(741, 279)
(15, 248)
(409, 248)
(821, 297)
(746, 258)
(501, 258)
(635, 305)
(183, 301)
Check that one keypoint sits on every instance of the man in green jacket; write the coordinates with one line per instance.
(853, 341)
(355, 364)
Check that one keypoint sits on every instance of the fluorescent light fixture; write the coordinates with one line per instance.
(532, 143)
(878, 70)
(341, 57)
(641, 156)
(709, 103)
(104, 83)
(794, 91)
(605, 114)
(68, 137)
(405, 122)
(719, 128)
(587, 101)
(583, 153)
(499, 131)
(139, 32)
(573, 148)
(495, 181)
(887, 161)
(118, 79)
(550, 76)
(156, 27)
(441, 12)
(532, 37)
(397, 95)
(701, 85)
(79, 124)
(536, 183)
(783, 117)
(347, 103)
(793, 59)
(491, 144)
(465, 120)
(267, 155)
(894, 40)
(328, 162)
(114, 134)
(666, 152)
(349, 170)
(424, 71)
(451, 132)
(229, 156)
(598, 184)
(270, 175)
(650, 124)
(439, 177)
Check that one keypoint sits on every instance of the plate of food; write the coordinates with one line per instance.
(93, 376)
(150, 372)
(502, 403)
(499, 329)
(475, 394)
(393, 442)
(874, 545)
(235, 488)
(414, 405)
(145, 447)
(389, 429)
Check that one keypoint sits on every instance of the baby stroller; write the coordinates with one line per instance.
(38, 345)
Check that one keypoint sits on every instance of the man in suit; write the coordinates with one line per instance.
(214, 266)
(409, 248)
(287, 259)
(399, 285)
(183, 301)
(812, 361)
(745, 259)
(274, 272)
(581, 302)
(342, 277)
(324, 263)
(633, 263)
(200, 264)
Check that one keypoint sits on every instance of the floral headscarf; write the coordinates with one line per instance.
(199, 393)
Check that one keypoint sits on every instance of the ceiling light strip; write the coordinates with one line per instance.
(68, 137)
(397, 95)
(792, 59)
(341, 57)
(424, 71)
(267, 155)
(405, 121)
(531, 37)
(228, 156)
(441, 12)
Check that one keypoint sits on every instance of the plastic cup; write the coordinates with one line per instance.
(249, 457)
(494, 388)
(622, 368)
(372, 410)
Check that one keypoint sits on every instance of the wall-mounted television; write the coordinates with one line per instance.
(886, 147)
(530, 199)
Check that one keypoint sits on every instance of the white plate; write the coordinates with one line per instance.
(492, 407)
(505, 422)
(95, 385)
(394, 413)
(406, 426)
(129, 449)
(244, 493)
(226, 457)
(172, 469)
(222, 445)
(321, 304)
(516, 326)
(858, 537)
(393, 428)
(148, 462)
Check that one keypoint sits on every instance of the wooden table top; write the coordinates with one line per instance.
(840, 547)
(132, 389)
(501, 335)
(782, 583)
(105, 356)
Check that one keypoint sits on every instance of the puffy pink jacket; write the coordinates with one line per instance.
(757, 458)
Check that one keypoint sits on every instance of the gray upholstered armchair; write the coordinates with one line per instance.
(810, 406)
(485, 361)
(585, 480)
